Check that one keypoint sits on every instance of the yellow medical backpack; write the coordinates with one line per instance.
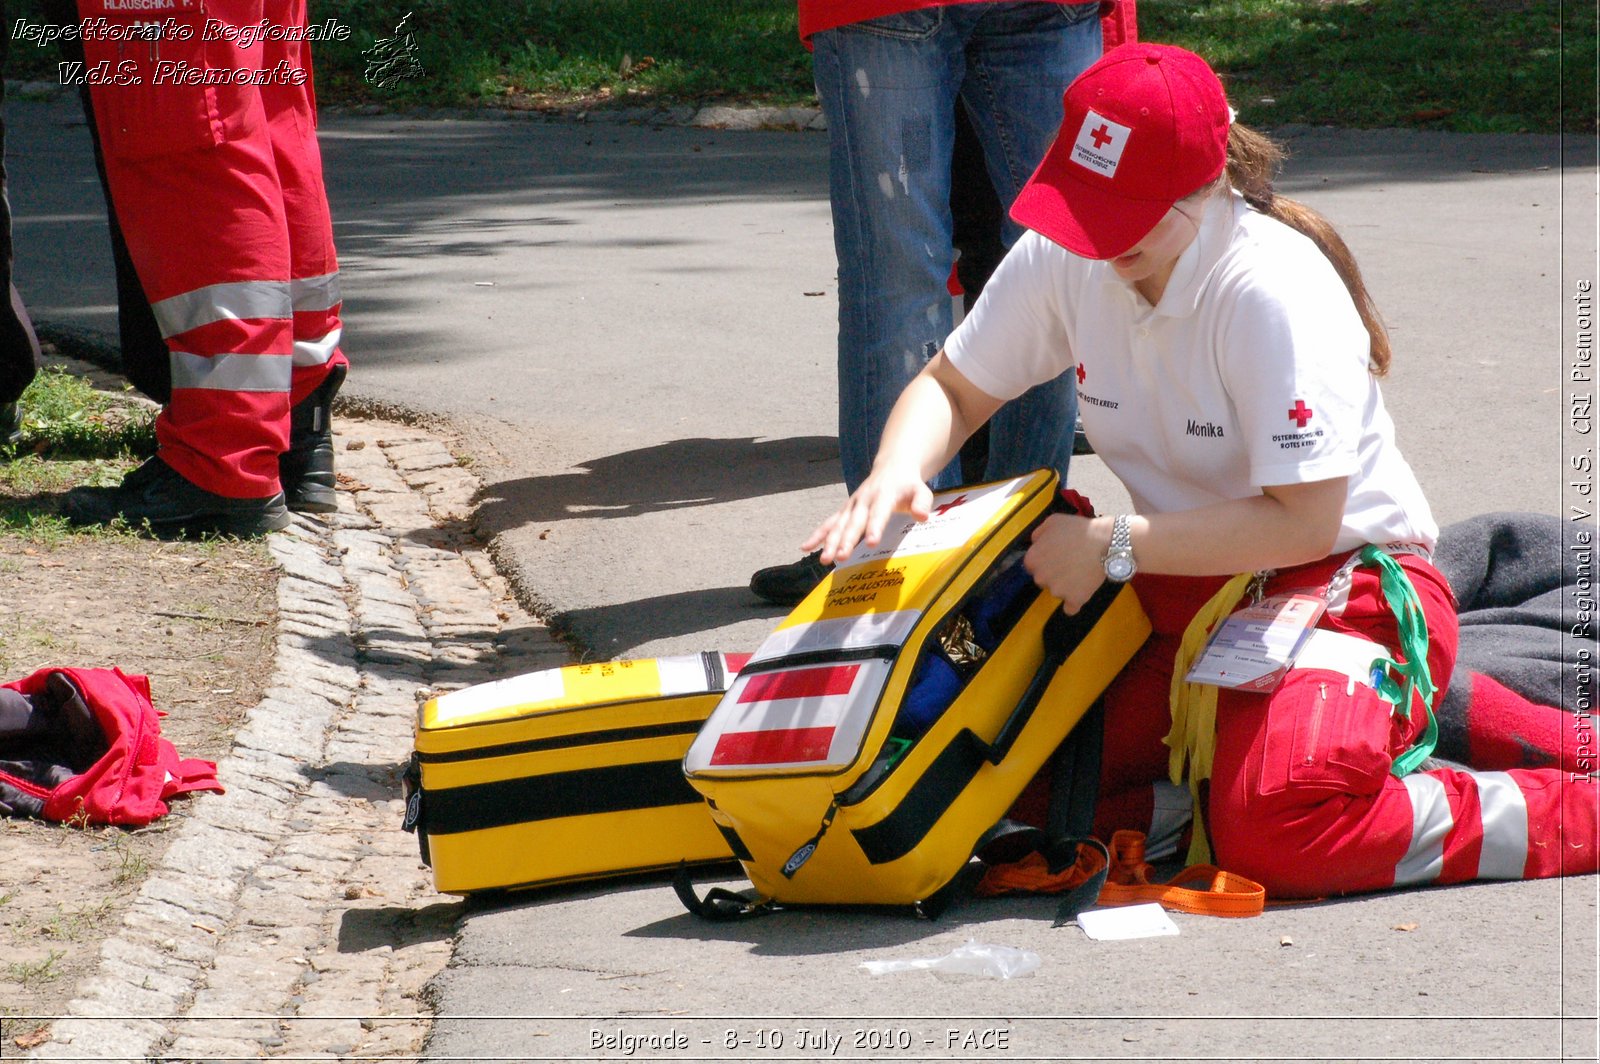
(565, 774)
(894, 716)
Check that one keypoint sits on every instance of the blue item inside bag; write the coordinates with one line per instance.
(937, 680)
(1009, 593)
(933, 687)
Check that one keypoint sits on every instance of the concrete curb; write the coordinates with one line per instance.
(709, 116)
(290, 916)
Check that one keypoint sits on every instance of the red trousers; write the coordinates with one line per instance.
(219, 191)
(1301, 798)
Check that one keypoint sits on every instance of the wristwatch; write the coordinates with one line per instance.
(1119, 555)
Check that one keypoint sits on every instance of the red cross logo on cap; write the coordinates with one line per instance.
(939, 511)
(1082, 373)
(1102, 136)
(1300, 414)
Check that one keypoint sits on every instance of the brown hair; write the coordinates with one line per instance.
(1253, 162)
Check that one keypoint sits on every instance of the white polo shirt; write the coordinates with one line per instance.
(1251, 371)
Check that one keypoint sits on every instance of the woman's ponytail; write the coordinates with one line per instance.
(1253, 163)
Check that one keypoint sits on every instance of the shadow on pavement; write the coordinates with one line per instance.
(362, 930)
(443, 192)
(789, 932)
(817, 931)
(667, 476)
(374, 782)
(661, 617)
(411, 194)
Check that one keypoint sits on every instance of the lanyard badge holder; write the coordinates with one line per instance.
(1256, 646)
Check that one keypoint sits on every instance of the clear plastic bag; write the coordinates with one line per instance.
(974, 958)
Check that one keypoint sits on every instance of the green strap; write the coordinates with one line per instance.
(1403, 601)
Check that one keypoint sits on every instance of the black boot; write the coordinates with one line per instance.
(158, 497)
(306, 469)
(786, 585)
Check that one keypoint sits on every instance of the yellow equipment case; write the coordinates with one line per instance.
(894, 717)
(565, 774)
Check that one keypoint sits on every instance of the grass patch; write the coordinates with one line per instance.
(554, 51)
(133, 865)
(75, 926)
(33, 475)
(72, 434)
(1476, 66)
(1471, 66)
(64, 416)
(40, 971)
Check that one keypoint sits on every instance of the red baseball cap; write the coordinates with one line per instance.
(1144, 127)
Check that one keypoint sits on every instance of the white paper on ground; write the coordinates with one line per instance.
(1127, 921)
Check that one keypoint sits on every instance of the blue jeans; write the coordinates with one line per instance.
(888, 88)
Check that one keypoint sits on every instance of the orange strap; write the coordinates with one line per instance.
(1205, 890)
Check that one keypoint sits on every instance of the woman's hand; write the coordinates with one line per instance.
(936, 412)
(865, 515)
(1067, 558)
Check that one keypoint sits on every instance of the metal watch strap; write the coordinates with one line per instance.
(1119, 563)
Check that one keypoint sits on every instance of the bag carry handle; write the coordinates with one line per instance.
(954, 767)
(1062, 633)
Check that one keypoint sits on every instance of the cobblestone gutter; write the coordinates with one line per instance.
(291, 916)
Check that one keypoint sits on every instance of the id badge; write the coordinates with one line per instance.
(1256, 646)
(142, 10)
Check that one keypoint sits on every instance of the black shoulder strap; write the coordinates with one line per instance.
(1074, 791)
(1075, 776)
(719, 903)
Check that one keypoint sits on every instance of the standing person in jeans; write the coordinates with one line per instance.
(890, 74)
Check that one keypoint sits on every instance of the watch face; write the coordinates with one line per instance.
(1119, 568)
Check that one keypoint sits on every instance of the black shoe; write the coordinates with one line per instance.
(306, 469)
(158, 496)
(786, 585)
(1080, 442)
(10, 424)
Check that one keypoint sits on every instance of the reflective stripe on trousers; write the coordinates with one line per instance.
(226, 301)
(1456, 813)
(317, 302)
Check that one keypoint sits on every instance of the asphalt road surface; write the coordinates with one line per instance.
(632, 328)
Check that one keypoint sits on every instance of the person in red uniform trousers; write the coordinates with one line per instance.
(208, 135)
(1227, 354)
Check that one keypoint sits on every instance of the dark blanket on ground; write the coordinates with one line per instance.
(1525, 588)
(45, 740)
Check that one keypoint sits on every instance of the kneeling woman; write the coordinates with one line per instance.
(1226, 353)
